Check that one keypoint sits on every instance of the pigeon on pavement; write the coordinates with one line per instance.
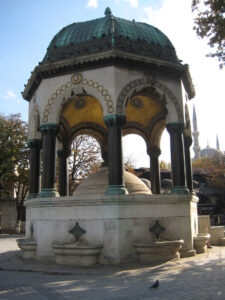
(155, 285)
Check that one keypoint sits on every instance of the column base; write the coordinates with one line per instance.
(116, 189)
(180, 190)
(32, 196)
(49, 192)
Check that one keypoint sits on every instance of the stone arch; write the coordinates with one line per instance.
(34, 123)
(146, 82)
(156, 133)
(78, 97)
(134, 128)
(94, 130)
(80, 85)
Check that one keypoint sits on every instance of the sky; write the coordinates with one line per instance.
(27, 27)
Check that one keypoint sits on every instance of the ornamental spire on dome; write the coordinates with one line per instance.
(108, 11)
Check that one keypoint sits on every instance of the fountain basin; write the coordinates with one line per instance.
(159, 251)
(28, 248)
(76, 254)
(200, 242)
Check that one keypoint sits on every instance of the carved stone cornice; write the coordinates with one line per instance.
(175, 127)
(115, 120)
(96, 60)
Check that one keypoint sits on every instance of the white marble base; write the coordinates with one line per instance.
(76, 254)
(187, 253)
(217, 234)
(116, 222)
(28, 248)
(200, 242)
(159, 252)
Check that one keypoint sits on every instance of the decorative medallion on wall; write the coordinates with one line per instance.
(79, 103)
(136, 103)
(78, 80)
(157, 229)
(102, 90)
(143, 82)
(151, 77)
(77, 231)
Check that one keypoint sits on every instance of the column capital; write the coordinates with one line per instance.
(34, 143)
(175, 127)
(154, 151)
(115, 120)
(49, 127)
(63, 153)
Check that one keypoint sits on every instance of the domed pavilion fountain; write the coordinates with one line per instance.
(107, 78)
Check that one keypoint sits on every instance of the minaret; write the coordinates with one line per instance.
(217, 143)
(196, 146)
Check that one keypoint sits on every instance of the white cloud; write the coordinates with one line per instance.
(133, 3)
(9, 95)
(92, 3)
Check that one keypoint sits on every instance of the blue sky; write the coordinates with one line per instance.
(27, 27)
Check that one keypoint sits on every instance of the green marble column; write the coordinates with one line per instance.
(154, 153)
(176, 130)
(34, 178)
(63, 172)
(49, 132)
(115, 122)
(187, 145)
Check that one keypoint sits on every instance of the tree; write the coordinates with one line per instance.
(214, 170)
(210, 24)
(14, 159)
(129, 164)
(85, 159)
(164, 165)
(21, 179)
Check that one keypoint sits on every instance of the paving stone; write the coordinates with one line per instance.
(199, 277)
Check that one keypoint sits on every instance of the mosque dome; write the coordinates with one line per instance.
(209, 152)
(110, 33)
(98, 183)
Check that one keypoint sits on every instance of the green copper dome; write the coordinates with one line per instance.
(109, 33)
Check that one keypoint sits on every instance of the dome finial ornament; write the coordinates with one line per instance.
(108, 11)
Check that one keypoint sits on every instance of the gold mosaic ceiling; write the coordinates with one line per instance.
(85, 109)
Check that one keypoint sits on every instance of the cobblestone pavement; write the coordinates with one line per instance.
(199, 277)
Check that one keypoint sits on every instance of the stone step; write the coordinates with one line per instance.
(222, 241)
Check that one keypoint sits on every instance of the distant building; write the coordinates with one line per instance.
(209, 198)
(205, 152)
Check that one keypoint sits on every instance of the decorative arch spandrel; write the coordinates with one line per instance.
(145, 82)
(76, 85)
(34, 123)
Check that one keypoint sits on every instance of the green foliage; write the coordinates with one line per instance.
(85, 159)
(210, 24)
(164, 165)
(129, 164)
(14, 156)
(214, 170)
